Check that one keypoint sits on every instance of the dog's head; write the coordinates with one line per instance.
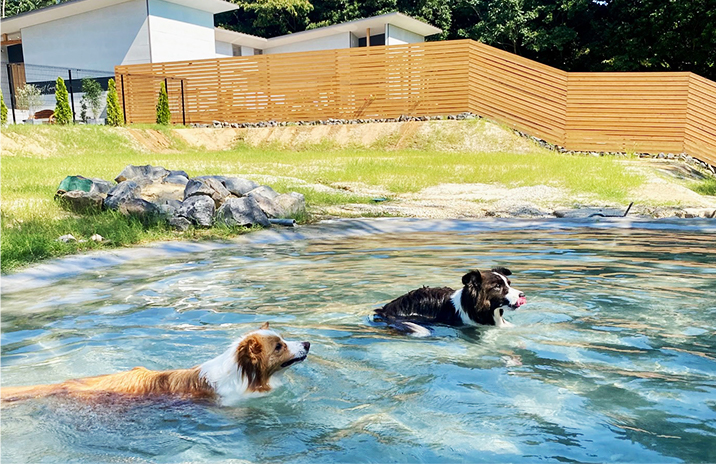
(263, 353)
(492, 289)
(249, 363)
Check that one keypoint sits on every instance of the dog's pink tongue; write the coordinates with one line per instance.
(521, 300)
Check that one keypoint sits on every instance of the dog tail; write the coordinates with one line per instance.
(12, 394)
(410, 328)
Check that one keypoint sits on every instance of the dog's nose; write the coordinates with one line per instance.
(521, 295)
(307, 345)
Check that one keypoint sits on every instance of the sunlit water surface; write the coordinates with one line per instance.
(613, 358)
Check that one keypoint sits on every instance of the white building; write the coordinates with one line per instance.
(90, 37)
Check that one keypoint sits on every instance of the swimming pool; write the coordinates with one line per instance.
(612, 359)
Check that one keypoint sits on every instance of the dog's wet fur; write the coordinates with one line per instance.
(481, 301)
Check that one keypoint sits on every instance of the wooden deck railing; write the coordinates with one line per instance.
(638, 112)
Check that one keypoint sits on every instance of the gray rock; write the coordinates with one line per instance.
(239, 186)
(289, 205)
(176, 179)
(169, 208)
(101, 186)
(80, 202)
(140, 208)
(122, 192)
(159, 192)
(131, 172)
(265, 196)
(243, 212)
(199, 209)
(264, 191)
(206, 186)
(179, 223)
(179, 173)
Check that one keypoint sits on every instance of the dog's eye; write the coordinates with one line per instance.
(279, 346)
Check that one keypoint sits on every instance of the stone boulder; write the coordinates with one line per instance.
(199, 209)
(278, 205)
(139, 208)
(121, 193)
(235, 185)
(84, 184)
(80, 202)
(244, 212)
(143, 174)
(290, 205)
(206, 186)
(161, 192)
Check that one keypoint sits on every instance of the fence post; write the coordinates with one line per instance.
(124, 105)
(12, 92)
(183, 113)
(72, 95)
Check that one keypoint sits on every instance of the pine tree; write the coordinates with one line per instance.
(163, 114)
(3, 110)
(63, 113)
(114, 111)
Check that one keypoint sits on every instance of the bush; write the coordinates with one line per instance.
(163, 114)
(92, 95)
(114, 111)
(28, 96)
(3, 110)
(63, 112)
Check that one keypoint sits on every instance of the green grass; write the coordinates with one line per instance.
(31, 220)
(706, 187)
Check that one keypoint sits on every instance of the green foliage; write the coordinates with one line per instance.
(163, 114)
(28, 97)
(3, 110)
(92, 95)
(114, 111)
(706, 187)
(63, 112)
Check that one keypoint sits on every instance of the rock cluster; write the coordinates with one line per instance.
(155, 193)
(333, 121)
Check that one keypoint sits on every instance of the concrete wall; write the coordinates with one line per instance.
(397, 36)
(340, 40)
(180, 33)
(98, 39)
(223, 49)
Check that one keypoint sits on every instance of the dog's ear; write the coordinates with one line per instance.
(472, 278)
(265, 326)
(248, 359)
(502, 270)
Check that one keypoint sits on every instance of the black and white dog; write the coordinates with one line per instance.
(481, 301)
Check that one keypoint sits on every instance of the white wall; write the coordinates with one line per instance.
(180, 33)
(223, 49)
(98, 39)
(340, 40)
(397, 36)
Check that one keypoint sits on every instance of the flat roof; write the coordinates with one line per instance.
(358, 27)
(74, 7)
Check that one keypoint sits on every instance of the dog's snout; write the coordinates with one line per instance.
(521, 295)
(307, 346)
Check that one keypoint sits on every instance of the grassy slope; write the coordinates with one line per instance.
(31, 221)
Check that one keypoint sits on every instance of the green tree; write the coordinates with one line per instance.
(268, 18)
(63, 112)
(114, 111)
(92, 91)
(163, 114)
(3, 110)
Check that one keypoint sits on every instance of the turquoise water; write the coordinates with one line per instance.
(612, 359)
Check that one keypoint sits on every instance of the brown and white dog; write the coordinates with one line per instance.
(248, 366)
(482, 300)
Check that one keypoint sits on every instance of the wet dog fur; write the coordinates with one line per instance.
(248, 366)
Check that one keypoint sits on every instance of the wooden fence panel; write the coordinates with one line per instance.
(701, 119)
(522, 93)
(640, 112)
(632, 112)
(371, 82)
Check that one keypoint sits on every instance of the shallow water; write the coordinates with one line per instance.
(612, 359)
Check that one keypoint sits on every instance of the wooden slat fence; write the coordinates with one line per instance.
(640, 112)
